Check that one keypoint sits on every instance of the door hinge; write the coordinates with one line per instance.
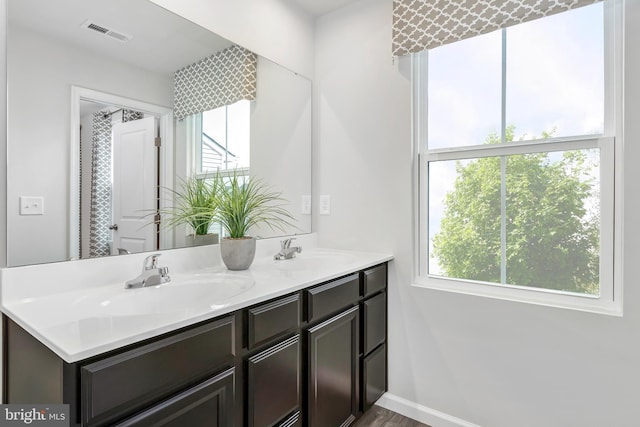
(158, 141)
(156, 218)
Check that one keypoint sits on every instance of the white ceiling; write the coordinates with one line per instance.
(320, 7)
(162, 41)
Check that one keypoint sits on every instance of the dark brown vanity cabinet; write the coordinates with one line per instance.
(182, 378)
(332, 388)
(116, 386)
(273, 384)
(208, 404)
(346, 353)
(374, 335)
(273, 375)
(374, 376)
(316, 357)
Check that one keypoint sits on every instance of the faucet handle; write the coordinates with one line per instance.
(286, 243)
(151, 262)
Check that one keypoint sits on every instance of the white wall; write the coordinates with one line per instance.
(275, 29)
(39, 133)
(492, 363)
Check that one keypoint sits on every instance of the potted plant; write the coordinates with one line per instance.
(195, 204)
(244, 202)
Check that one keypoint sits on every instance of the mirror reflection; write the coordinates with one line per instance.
(109, 110)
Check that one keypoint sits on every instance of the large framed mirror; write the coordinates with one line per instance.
(85, 78)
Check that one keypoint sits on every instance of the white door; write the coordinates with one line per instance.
(134, 185)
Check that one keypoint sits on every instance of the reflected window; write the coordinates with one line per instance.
(223, 142)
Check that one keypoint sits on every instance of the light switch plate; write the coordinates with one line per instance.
(325, 205)
(305, 207)
(30, 205)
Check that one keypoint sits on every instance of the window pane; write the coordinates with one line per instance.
(226, 137)
(555, 74)
(214, 139)
(214, 125)
(464, 86)
(238, 134)
(553, 221)
(464, 219)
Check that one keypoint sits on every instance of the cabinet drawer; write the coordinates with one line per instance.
(273, 383)
(116, 386)
(374, 377)
(374, 280)
(209, 404)
(374, 311)
(267, 321)
(331, 297)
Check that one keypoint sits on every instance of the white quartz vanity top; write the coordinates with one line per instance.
(78, 323)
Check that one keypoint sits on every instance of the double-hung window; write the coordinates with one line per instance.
(517, 132)
(222, 139)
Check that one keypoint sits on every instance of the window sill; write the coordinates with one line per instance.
(536, 296)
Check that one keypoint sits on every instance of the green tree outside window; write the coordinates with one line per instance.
(552, 225)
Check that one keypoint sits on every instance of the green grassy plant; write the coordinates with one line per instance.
(243, 202)
(195, 203)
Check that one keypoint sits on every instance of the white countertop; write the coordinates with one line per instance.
(77, 322)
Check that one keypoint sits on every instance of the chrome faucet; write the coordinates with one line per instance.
(151, 274)
(286, 250)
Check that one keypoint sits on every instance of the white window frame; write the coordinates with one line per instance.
(611, 162)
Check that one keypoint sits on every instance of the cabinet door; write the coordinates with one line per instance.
(209, 404)
(333, 371)
(294, 420)
(273, 383)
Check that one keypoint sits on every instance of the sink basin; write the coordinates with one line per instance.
(194, 292)
(113, 312)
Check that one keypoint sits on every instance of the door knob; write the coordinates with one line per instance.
(113, 227)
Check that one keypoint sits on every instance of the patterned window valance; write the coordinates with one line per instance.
(424, 24)
(220, 79)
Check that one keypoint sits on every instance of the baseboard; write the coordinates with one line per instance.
(421, 413)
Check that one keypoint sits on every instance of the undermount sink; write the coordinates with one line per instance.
(188, 293)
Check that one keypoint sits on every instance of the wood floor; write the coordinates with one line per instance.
(380, 417)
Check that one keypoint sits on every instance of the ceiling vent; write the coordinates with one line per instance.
(106, 31)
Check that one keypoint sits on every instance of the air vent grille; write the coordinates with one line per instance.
(97, 28)
(104, 30)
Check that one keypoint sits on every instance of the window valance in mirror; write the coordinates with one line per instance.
(220, 79)
(425, 24)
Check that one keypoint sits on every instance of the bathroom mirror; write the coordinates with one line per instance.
(68, 60)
